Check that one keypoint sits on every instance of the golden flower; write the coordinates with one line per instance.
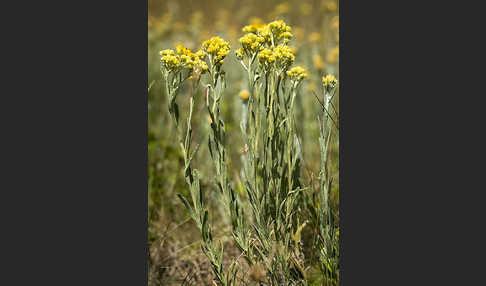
(329, 81)
(264, 31)
(186, 61)
(182, 50)
(244, 94)
(253, 28)
(239, 53)
(200, 54)
(167, 52)
(184, 58)
(278, 28)
(297, 73)
(284, 56)
(199, 66)
(251, 43)
(217, 48)
(266, 58)
(170, 62)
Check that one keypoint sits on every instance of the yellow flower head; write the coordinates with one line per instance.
(297, 73)
(167, 52)
(244, 94)
(280, 30)
(266, 58)
(182, 50)
(186, 61)
(251, 43)
(264, 32)
(199, 66)
(329, 81)
(239, 53)
(200, 54)
(217, 48)
(170, 62)
(183, 58)
(284, 56)
(252, 28)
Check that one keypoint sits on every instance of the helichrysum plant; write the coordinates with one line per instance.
(272, 161)
(177, 67)
(322, 218)
(328, 231)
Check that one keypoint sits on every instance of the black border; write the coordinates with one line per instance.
(79, 213)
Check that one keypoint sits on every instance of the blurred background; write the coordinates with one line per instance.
(174, 249)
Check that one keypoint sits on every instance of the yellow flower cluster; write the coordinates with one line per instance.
(280, 30)
(183, 59)
(267, 41)
(251, 43)
(266, 58)
(169, 60)
(239, 53)
(217, 48)
(329, 81)
(276, 29)
(253, 28)
(244, 94)
(284, 56)
(297, 73)
(182, 51)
